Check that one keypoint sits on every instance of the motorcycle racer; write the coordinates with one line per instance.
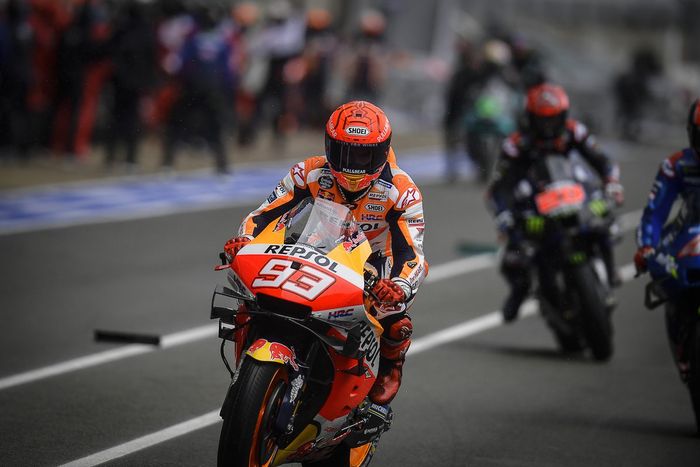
(676, 177)
(359, 170)
(546, 130)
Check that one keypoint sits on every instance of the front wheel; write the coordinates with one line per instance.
(247, 432)
(694, 373)
(595, 319)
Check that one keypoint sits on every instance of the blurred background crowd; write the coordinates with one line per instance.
(88, 79)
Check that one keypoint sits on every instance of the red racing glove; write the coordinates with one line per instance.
(389, 292)
(641, 256)
(234, 245)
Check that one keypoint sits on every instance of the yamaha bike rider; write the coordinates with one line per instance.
(546, 130)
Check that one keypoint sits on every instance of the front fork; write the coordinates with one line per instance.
(293, 397)
(679, 326)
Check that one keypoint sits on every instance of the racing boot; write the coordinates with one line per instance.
(608, 257)
(515, 267)
(395, 342)
(516, 297)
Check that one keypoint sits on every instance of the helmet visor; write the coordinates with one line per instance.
(356, 158)
(549, 127)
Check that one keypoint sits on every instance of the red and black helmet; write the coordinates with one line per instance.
(547, 109)
(358, 135)
(694, 126)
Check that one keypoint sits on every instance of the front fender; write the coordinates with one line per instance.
(273, 352)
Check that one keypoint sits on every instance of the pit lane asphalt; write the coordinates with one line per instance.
(502, 397)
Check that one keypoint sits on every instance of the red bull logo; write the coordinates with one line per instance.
(267, 351)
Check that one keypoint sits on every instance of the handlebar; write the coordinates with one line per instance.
(225, 262)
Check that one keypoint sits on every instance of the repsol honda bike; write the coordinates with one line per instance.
(565, 218)
(675, 273)
(306, 347)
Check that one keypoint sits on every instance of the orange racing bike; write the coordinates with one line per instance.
(306, 346)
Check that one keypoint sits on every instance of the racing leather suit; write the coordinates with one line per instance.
(390, 214)
(678, 176)
(517, 153)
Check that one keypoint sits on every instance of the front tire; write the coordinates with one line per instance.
(595, 319)
(246, 435)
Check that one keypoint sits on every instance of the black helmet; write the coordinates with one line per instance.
(694, 126)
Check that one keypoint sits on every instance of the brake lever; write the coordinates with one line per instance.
(225, 264)
(370, 282)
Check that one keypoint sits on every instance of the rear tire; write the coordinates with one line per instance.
(595, 319)
(694, 374)
(567, 343)
(248, 418)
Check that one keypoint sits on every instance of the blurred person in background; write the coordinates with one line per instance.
(367, 64)
(81, 72)
(279, 40)
(527, 63)
(548, 130)
(360, 166)
(480, 99)
(48, 19)
(207, 84)
(245, 16)
(173, 28)
(632, 90)
(316, 62)
(16, 78)
(492, 113)
(132, 49)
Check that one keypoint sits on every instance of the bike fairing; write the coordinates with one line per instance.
(518, 152)
(342, 283)
(520, 148)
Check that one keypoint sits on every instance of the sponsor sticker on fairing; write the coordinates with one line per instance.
(339, 314)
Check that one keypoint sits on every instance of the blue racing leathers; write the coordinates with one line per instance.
(679, 175)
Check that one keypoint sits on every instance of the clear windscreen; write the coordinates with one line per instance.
(323, 224)
(559, 168)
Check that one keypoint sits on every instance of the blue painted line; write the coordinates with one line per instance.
(147, 196)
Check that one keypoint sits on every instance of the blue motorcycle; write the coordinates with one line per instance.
(675, 272)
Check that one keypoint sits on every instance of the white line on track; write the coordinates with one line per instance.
(146, 441)
(437, 273)
(170, 340)
(423, 344)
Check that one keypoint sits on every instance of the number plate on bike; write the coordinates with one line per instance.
(560, 198)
